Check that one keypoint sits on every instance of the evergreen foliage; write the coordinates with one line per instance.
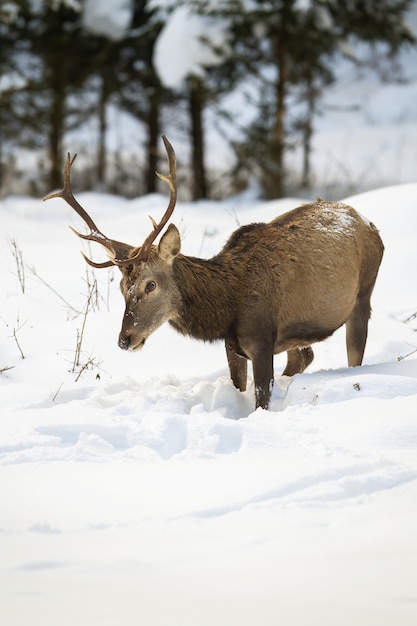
(56, 76)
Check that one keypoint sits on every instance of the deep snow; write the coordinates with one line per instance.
(148, 491)
(153, 493)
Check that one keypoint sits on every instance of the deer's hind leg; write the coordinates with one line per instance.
(357, 324)
(297, 360)
(238, 367)
(357, 330)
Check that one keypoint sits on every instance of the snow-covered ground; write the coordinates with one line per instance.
(149, 492)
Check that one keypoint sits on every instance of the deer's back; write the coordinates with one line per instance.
(306, 266)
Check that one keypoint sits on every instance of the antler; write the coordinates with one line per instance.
(114, 248)
(119, 252)
(171, 181)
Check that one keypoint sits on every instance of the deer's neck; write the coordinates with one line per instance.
(208, 291)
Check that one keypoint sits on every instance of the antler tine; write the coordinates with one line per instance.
(95, 234)
(171, 180)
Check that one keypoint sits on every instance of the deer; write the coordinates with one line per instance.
(274, 287)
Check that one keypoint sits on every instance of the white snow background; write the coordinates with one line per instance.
(149, 491)
(155, 494)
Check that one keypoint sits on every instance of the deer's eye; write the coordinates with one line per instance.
(150, 286)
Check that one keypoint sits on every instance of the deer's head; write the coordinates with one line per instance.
(147, 285)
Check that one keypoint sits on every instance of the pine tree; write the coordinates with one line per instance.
(138, 88)
(288, 48)
(48, 48)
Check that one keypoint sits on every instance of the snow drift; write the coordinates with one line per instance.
(143, 488)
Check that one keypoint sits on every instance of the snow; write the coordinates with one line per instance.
(109, 19)
(154, 493)
(11, 81)
(341, 221)
(197, 41)
(144, 488)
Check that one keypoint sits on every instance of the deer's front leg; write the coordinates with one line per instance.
(238, 367)
(263, 378)
(261, 353)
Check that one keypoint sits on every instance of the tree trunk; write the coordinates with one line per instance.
(102, 129)
(55, 138)
(58, 69)
(307, 135)
(152, 144)
(196, 106)
(279, 134)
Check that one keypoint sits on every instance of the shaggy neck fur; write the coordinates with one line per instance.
(208, 297)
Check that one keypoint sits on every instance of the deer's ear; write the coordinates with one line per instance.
(170, 244)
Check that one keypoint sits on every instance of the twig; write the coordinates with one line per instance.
(233, 213)
(202, 242)
(84, 367)
(410, 317)
(92, 287)
(401, 358)
(77, 352)
(57, 392)
(6, 368)
(34, 272)
(18, 256)
(14, 335)
(110, 279)
(80, 334)
(17, 343)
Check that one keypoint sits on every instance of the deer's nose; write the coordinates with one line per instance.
(124, 342)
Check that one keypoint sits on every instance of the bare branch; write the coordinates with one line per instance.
(18, 256)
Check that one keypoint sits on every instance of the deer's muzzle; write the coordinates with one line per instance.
(125, 342)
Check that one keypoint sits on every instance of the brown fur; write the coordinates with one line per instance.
(274, 287)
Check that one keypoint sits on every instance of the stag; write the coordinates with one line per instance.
(274, 287)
